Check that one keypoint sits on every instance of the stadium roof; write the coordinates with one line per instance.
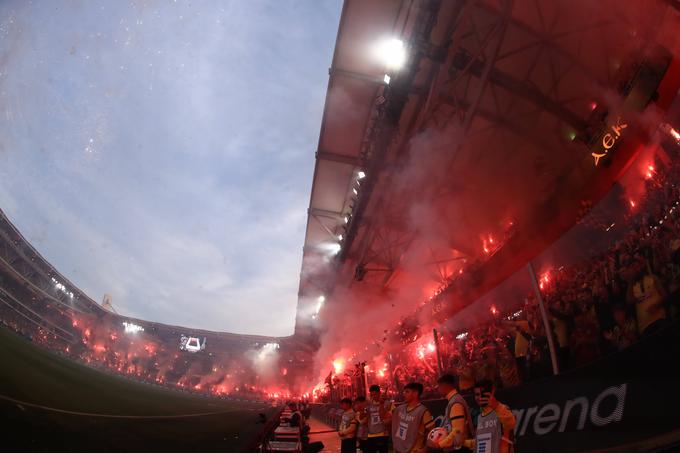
(480, 151)
(356, 81)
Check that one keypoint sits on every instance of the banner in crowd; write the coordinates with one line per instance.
(627, 397)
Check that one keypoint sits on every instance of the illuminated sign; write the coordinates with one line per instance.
(132, 328)
(191, 344)
(609, 138)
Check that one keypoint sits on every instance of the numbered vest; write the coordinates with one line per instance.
(405, 425)
(362, 430)
(347, 419)
(458, 399)
(375, 422)
(489, 433)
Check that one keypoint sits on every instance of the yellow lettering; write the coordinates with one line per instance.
(608, 141)
(619, 126)
(598, 157)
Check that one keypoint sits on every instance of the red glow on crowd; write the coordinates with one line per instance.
(675, 134)
(650, 172)
(338, 365)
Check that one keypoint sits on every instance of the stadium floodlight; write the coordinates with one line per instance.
(61, 287)
(386, 79)
(331, 248)
(361, 175)
(392, 53)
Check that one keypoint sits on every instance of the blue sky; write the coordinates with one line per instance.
(162, 152)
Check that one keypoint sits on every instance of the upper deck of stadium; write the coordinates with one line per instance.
(437, 180)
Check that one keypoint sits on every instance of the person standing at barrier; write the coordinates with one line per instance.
(379, 417)
(360, 405)
(495, 424)
(648, 294)
(348, 427)
(457, 419)
(411, 422)
(296, 417)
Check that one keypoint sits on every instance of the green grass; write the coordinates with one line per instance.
(31, 374)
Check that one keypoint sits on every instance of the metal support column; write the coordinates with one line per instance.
(546, 321)
(436, 348)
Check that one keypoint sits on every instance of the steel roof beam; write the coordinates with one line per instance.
(324, 213)
(356, 75)
(341, 158)
(522, 89)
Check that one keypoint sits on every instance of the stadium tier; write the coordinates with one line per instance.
(493, 230)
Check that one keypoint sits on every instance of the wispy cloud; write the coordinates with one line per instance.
(162, 152)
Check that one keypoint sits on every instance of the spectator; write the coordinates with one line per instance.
(585, 338)
(362, 419)
(522, 338)
(411, 422)
(495, 423)
(562, 318)
(457, 419)
(508, 368)
(646, 291)
(624, 331)
(348, 427)
(379, 414)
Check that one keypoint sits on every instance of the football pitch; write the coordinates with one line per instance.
(50, 403)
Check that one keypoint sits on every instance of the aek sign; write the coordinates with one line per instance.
(609, 139)
(574, 414)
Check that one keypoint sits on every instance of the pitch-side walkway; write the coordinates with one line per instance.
(321, 432)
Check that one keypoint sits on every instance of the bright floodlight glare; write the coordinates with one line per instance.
(392, 53)
(386, 79)
(361, 175)
(319, 304)
(329, 248)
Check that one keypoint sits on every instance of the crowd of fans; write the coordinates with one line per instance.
(151, 356)
(595, 307)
